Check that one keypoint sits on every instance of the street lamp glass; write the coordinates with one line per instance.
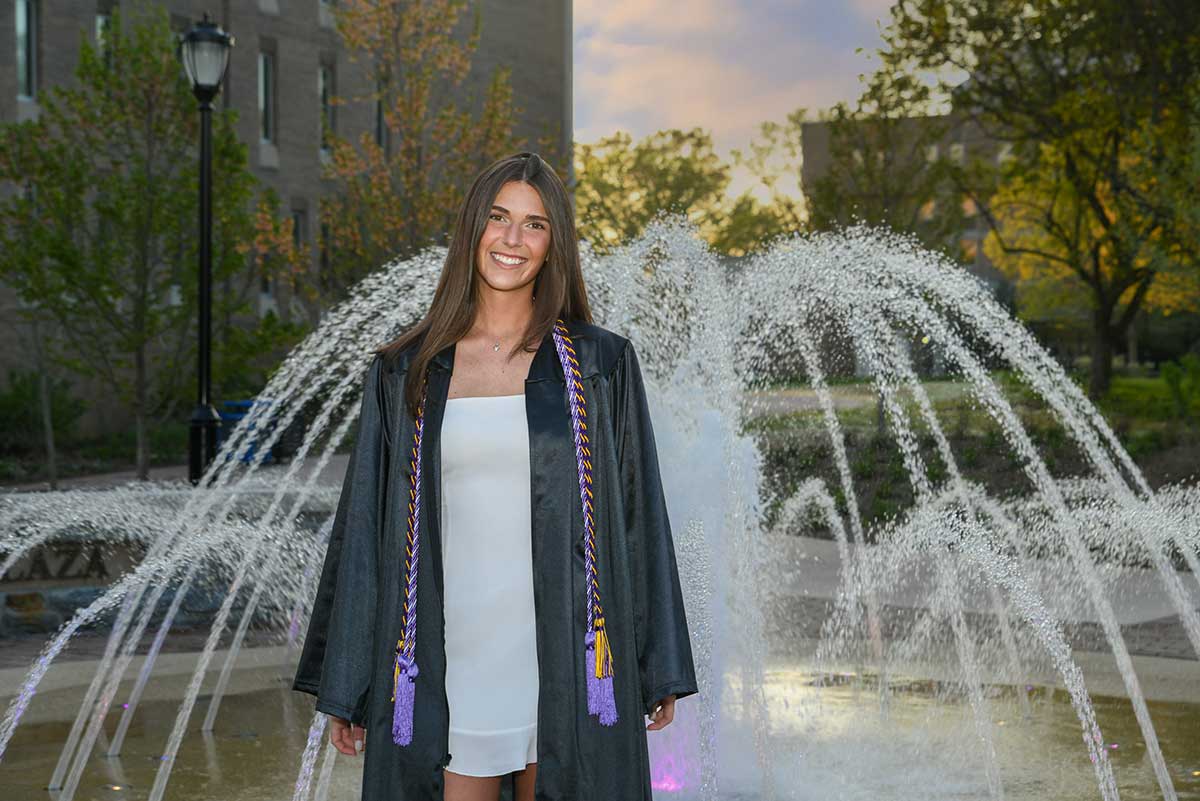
(205, 55)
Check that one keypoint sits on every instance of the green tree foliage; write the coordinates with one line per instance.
(1102, 93)
(774, 156)
(888, 166)
(1183, 381)
(21, 412)
(98, 223)
(621, 186)
(397, 193)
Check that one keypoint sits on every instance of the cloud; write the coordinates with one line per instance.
(648, 17)
(872, 10)
(726, 67)
(722, 65)
(645, 88)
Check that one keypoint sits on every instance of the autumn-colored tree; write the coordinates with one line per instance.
(621, 186)
(399, 187)
(1048, 240)
(98, 220)
(1102, 94)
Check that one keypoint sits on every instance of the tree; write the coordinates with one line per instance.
(621, 186)
(400, 187)
(98, 226)
(1046, 238)
(883, 169)
(778, 152)
(1109, 87)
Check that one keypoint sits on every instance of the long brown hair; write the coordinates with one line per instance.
(558, 290)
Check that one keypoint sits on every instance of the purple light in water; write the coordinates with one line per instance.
(669, 773)
(1112, 746)
(124, 706)
(668, 783)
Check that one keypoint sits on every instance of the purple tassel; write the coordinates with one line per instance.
(607, 702)
(402, 713)
(589, 670)
(600, 698)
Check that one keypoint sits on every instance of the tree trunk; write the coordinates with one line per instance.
(143, 451)
(143, 448)
(47, 409)
(1131, 344)
(1103, 342)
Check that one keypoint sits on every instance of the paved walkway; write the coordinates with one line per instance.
(175, 472)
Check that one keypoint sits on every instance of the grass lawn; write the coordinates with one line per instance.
(796, 445)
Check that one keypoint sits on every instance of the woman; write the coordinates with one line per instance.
(500, 588)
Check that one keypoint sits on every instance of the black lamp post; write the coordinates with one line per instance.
(205, 55)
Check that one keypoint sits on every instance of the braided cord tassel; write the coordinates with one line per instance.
(405, 672)
(598, 663)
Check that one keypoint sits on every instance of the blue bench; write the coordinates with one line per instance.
(231, 413)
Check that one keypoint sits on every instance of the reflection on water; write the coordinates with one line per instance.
(830, 744)
(926, 748)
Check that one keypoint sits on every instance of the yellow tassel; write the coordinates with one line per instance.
(604, 665)
(396, 670)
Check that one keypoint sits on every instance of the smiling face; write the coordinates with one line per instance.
(515, 242)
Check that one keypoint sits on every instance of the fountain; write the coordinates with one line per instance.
(926, 653)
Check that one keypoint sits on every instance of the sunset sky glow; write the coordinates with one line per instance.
(723, 65)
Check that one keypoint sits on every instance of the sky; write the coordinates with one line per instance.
(722, 65)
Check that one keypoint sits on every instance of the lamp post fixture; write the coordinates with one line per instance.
(205, 50)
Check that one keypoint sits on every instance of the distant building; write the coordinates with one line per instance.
(286, 63)
(962, 140)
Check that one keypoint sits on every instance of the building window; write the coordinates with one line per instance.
(323, 253)
(1004, 153)
(266, 96)
(264, 276)
(299, 228)
(957, 152)
(27, 25)
(931, 153)
(325, 9)
(103, 20)
(325, 89)
(381, 130)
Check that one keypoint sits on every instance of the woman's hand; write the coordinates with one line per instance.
(664, 713)
(345, 736)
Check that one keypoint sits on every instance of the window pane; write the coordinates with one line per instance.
(325, 89)
(297, 228)
(266, 96)
(26, 47)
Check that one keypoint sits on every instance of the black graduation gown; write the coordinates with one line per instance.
(348, 652)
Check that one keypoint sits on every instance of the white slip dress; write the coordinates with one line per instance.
(491, 645)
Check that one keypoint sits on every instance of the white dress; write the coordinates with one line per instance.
(491, 646)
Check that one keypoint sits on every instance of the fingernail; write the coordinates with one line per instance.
(358, 745)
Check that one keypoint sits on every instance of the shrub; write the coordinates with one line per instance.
(21, 412)
(1183, 382)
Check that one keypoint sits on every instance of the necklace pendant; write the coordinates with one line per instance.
(496, 347)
